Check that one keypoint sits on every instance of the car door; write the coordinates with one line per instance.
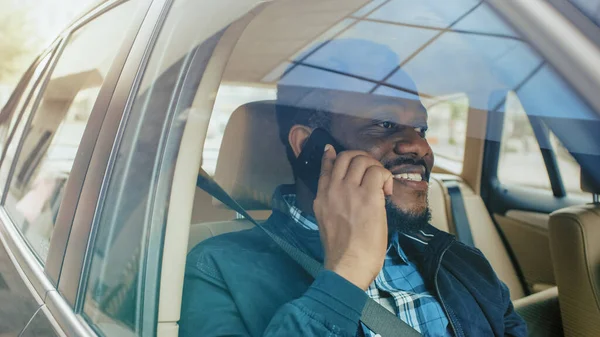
(49, 149)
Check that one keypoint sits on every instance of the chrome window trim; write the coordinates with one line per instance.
(27, 265)
(576, 58)
(66, 213)
(70, 323)
(80, 238)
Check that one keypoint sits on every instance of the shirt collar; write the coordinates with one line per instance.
(417, 241)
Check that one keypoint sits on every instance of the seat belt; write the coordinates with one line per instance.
(377, 318)
(459, 213)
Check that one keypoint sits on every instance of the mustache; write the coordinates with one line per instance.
(407, 161)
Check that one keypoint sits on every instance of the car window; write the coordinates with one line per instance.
(382, 51)
(55, 129)
(521, 160)
(378, 76)
(19, 118)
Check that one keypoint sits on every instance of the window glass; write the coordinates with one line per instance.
(591, 9)
(448, 130)
(393, 78)
(521, 160)
(24, 105)
(7, 126)
(48, 149)
(458, 57)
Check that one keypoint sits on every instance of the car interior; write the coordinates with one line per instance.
(540, 244)
(546, 257)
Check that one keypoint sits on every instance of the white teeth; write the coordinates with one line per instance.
(415, 177)
(409, 176)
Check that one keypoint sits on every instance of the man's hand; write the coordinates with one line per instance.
(350, 210)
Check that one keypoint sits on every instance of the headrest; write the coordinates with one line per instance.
(587, 184)
(252, 161)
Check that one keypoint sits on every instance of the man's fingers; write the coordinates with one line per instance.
(326, 166)
(377, 177)
(357, 168)
(342, 162)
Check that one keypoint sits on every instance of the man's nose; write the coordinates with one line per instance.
(412, 144)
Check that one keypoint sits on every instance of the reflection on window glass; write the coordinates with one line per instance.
(369, 7)
(51, 141)
(28, 98)
(591, 8)
(484, 20)
(374, 82)
(440, 14)
(521, 160)
(7, 126)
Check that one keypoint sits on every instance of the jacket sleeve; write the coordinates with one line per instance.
(330, 307)
(514, 325)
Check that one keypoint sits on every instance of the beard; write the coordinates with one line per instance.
(401, 221)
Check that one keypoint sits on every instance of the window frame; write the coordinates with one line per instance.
(64, 220)
(125, 75)
(44, 279)
(24, 259)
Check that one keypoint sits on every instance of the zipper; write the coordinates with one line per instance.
(437, 289)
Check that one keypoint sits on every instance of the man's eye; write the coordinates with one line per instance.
(387, 125)
(422, 132)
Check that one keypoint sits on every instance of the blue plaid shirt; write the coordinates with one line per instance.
(398, 286)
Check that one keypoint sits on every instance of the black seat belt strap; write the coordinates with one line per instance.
(459, 213)
(377, 318)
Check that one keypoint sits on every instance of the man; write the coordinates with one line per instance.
(368, 224)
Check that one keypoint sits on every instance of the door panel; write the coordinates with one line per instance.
(527, 233)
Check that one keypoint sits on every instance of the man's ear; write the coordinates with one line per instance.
(297, 137)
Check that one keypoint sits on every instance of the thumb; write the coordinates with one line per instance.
(327, 161)
(388, 186)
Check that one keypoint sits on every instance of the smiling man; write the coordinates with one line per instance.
(368, 223)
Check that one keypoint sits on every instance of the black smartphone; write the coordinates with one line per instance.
(308, 163)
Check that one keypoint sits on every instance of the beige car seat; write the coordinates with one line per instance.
(575, 248)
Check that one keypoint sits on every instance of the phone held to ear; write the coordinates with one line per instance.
(308, 163)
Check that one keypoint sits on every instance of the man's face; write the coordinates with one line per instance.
(394, 133)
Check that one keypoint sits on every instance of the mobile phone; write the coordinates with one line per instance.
(308, 163)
